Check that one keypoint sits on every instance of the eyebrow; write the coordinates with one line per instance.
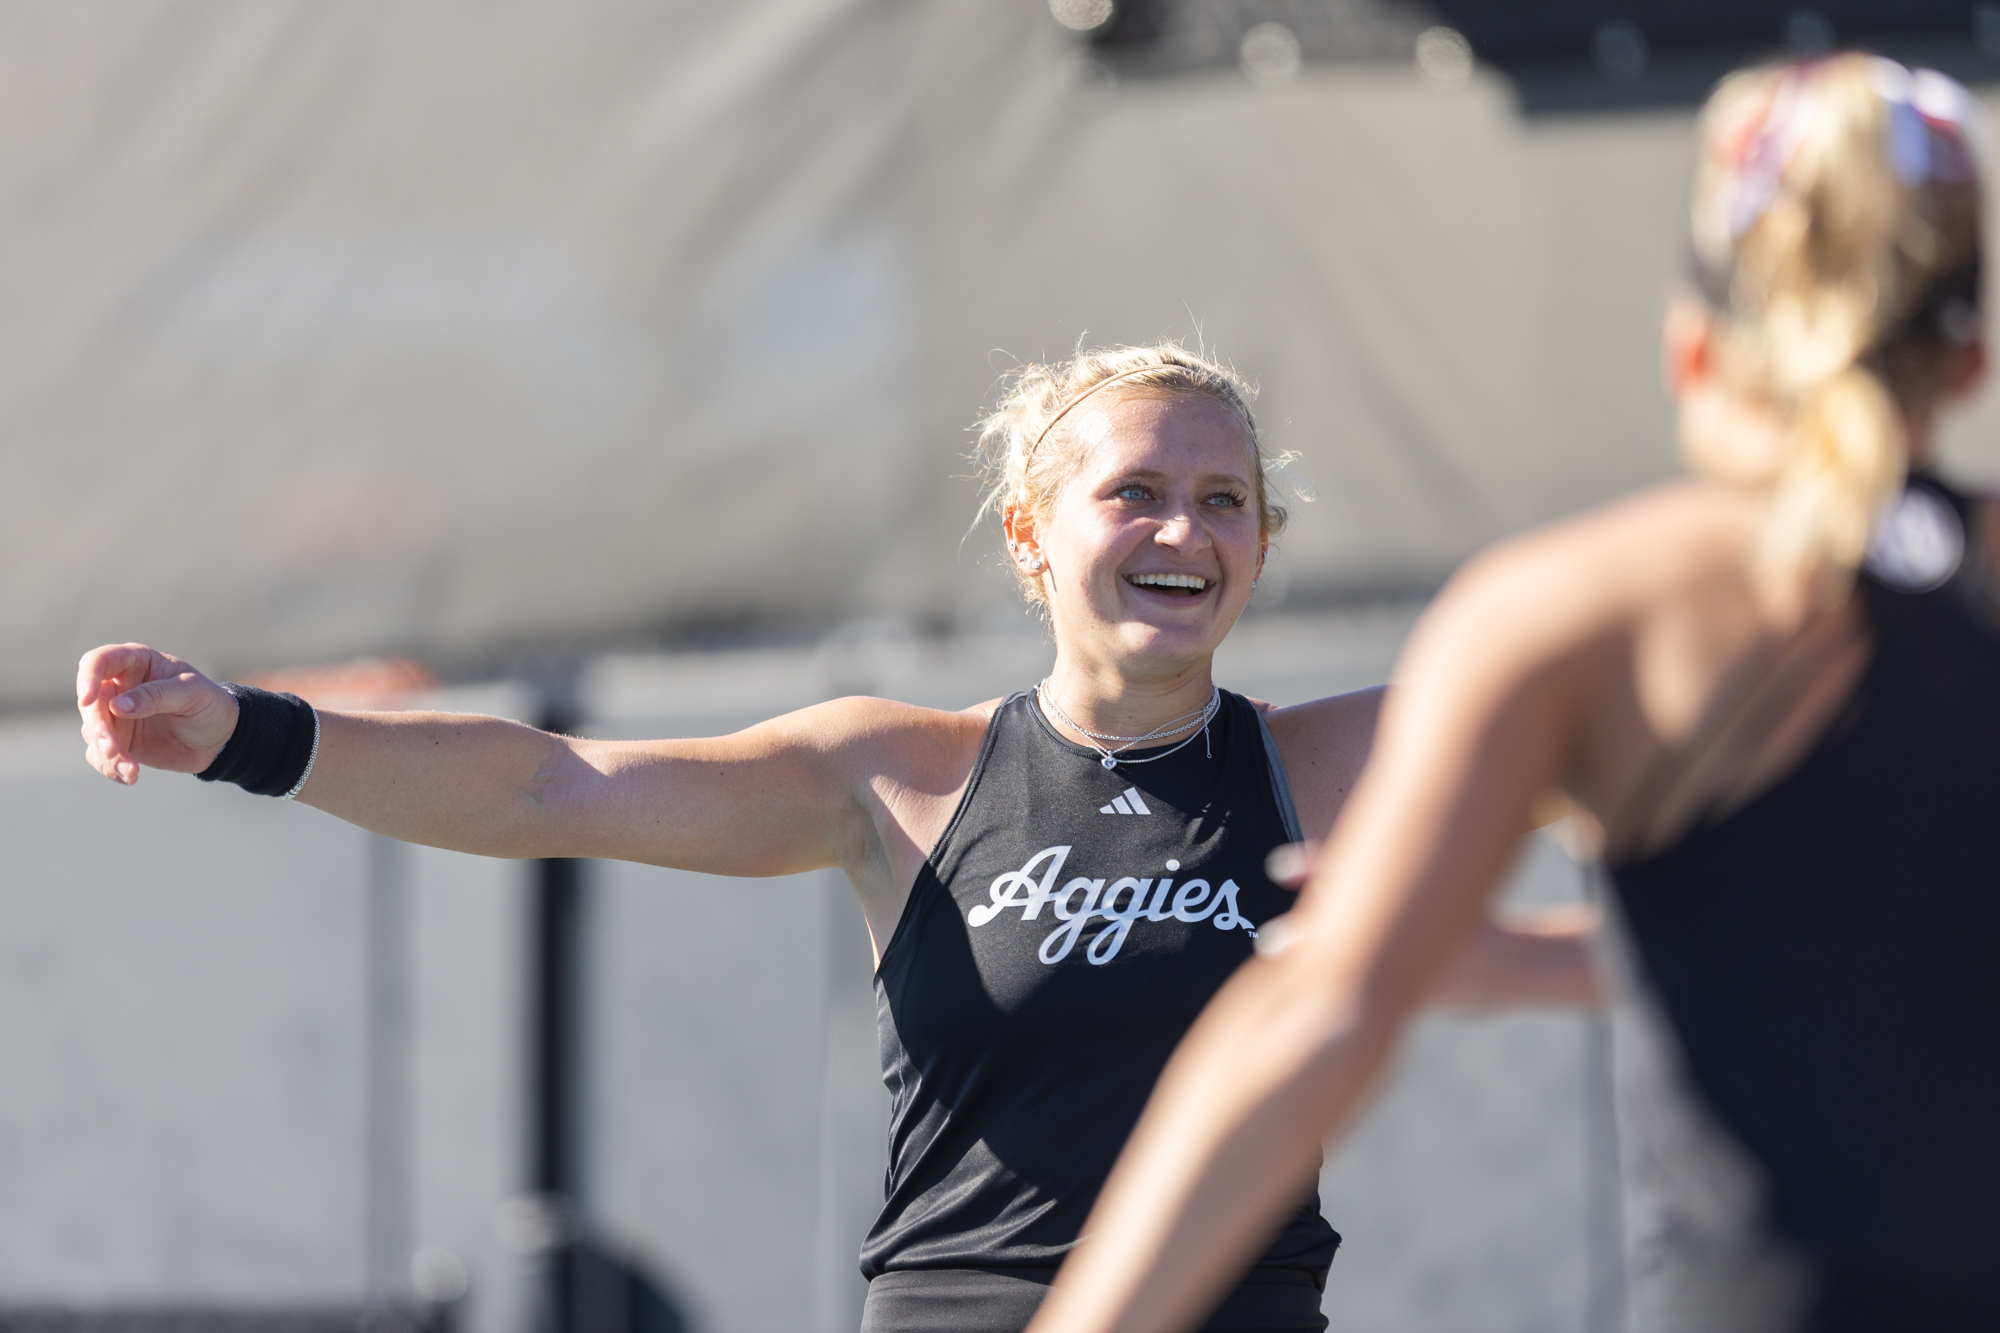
(1153, 474)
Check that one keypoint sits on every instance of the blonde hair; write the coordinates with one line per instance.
(1836, 232)
(1029, 450)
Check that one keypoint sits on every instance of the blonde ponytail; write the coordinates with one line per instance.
(1836, 234)
(1847, 458)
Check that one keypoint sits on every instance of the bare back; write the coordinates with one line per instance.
(1684, 685)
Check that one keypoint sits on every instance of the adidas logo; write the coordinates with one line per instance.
(1125, 803)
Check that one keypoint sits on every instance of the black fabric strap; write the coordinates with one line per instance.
(273, 742)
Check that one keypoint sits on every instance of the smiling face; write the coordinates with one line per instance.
(1150, 549)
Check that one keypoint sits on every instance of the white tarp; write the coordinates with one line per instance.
(455, 328)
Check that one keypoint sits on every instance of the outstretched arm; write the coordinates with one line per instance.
(781, 797)
(1291, 1047)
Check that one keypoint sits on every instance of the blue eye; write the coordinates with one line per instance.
(1226, 500)
(1133, 493)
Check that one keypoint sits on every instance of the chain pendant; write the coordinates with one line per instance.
(1109, 761)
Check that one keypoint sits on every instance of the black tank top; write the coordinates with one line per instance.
(1828, 956)
(1062, 937)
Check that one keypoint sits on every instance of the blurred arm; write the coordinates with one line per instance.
(1291, 1047)
(1528, 959)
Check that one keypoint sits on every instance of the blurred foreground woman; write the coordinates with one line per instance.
(1774, 692)
(1055, 883)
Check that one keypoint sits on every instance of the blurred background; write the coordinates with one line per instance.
(608, 365)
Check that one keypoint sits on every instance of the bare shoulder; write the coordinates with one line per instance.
(1339, 720)
(916, 763)
(1324, 745)
(1623, 550)
(1571, 583)
(899, 738)
(1538, 607)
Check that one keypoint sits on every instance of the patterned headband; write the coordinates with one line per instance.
(1931, 120)
(1930, 130)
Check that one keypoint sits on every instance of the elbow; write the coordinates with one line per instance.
(554, 798)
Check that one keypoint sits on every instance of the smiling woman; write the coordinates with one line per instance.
(1004, 855)
(1033, 446)
(1132, 489)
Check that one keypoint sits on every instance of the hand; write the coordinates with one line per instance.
(144, 708)
(1290, 865)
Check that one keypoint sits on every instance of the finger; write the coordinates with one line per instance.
(103, 754)
(103, 748)
(94, 735)
(94, 666)
(176, 696)
(119, 766)
(1276, 935)
(1291, 865)
(100, 735)
(112, 661)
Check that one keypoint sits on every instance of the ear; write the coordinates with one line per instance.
(1019, 523)
(1684, 345)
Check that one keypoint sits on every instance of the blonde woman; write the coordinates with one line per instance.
(1775, 689)
(1055, 883)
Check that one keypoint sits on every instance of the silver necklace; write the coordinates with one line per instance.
(1109, 758)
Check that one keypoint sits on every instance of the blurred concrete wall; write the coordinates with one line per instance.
(258, 1060)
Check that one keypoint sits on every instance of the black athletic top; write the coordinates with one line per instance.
(1828, 957)
(1057, 945)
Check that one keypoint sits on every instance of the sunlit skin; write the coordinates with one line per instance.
(1167, 489)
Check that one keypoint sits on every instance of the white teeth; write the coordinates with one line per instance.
(1194, 581)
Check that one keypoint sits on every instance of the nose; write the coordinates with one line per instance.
(1182, 530)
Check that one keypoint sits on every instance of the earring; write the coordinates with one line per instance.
(1033, 564)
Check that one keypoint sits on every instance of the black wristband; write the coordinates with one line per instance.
(273, 746)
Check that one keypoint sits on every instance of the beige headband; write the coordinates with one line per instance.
(1125, 375)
